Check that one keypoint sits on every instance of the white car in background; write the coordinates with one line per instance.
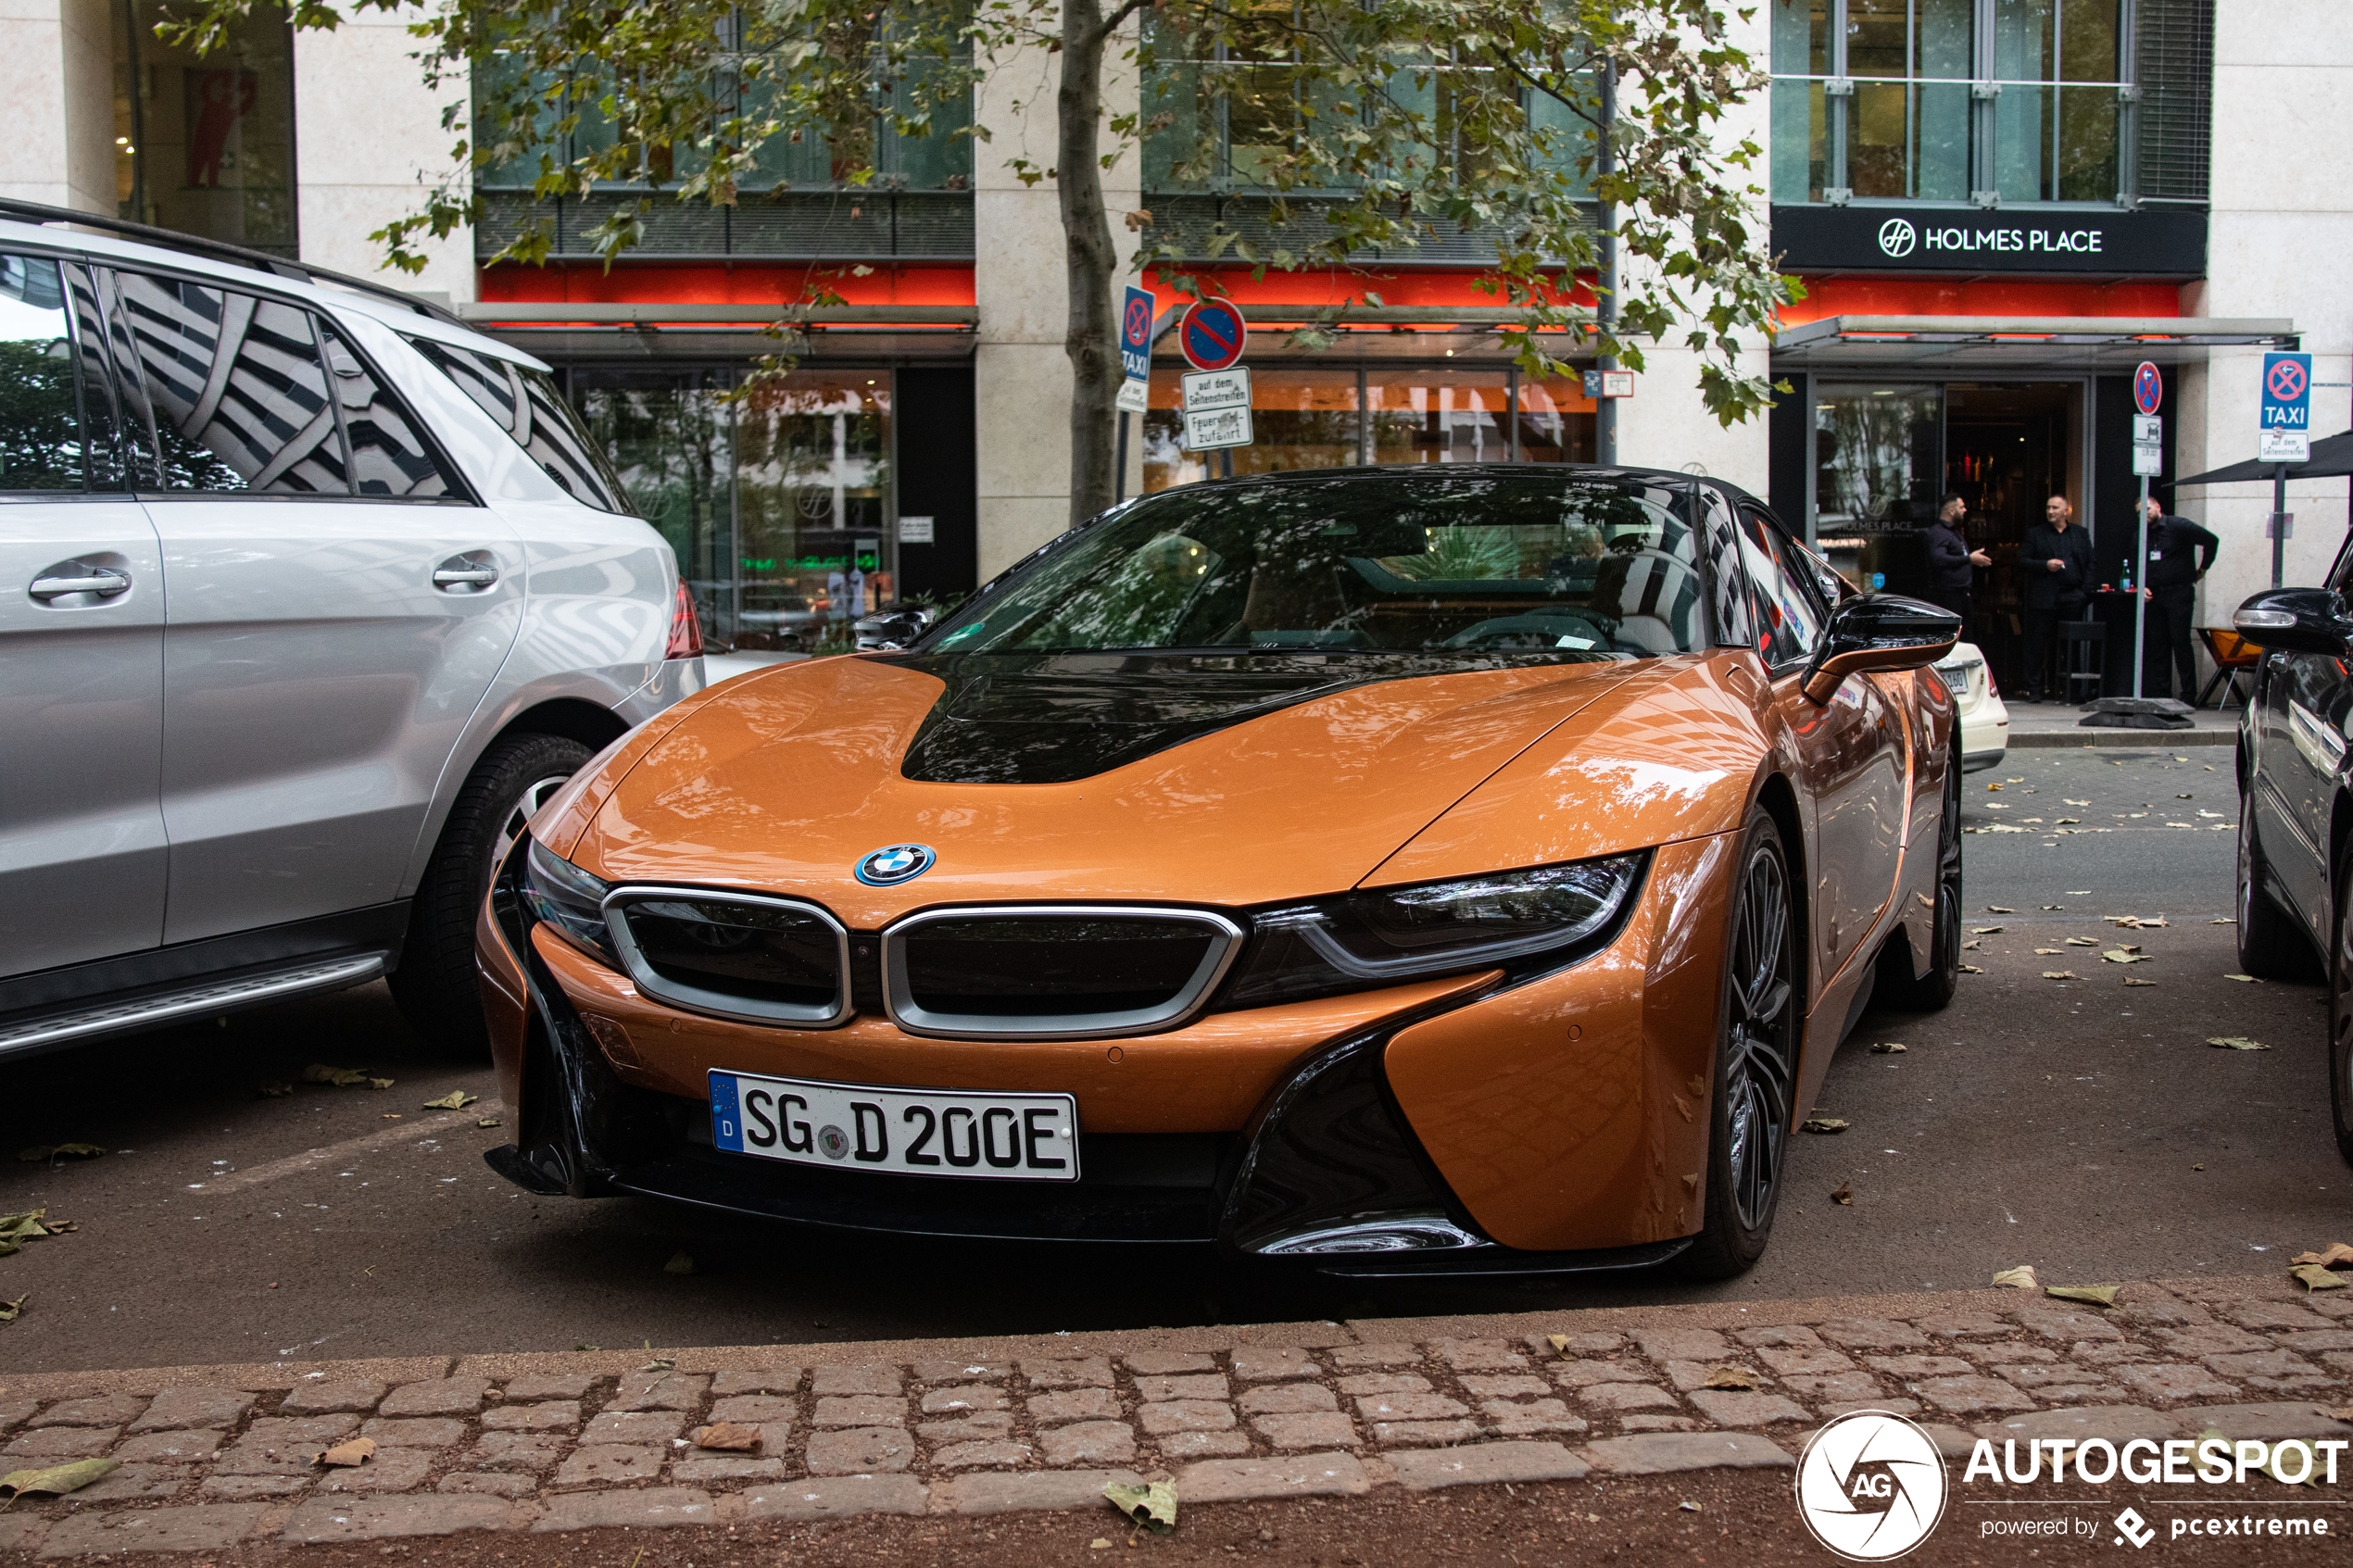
(1985, 723)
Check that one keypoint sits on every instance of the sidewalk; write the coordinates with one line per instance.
(2035, 725)
(215, 1457)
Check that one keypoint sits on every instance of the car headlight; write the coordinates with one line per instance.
(1516, 920)
(569, 899)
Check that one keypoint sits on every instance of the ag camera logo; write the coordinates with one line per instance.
(1896, 238)
(1871, 1485)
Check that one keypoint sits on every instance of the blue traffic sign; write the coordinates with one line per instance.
(1136, 335)
(2287, 392)
(2148, 388)
(1211, 335)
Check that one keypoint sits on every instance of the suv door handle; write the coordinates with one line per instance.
(466, 574)
(103, 580)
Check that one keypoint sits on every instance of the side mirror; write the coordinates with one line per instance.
(890, 630)
(1879, 632)
(2296, 621)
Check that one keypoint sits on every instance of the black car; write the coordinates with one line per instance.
(2296, 807)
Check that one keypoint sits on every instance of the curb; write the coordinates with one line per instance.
(2142, 740)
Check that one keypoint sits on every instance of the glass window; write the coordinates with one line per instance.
(108, 452)
(1783, 598)
(1302, 419)
(1457, 568)
(1438, 417)
(40, 440)
(526, 404)
(814, 499)
(234, 390)
(1556, 420)
(671, 439)
(1879, 459)
(390, 456)
(204, 144)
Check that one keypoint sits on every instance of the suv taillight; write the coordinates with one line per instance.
(685, 628)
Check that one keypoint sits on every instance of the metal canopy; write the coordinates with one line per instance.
(2332, 458)
(1989, 344)
(652, 330)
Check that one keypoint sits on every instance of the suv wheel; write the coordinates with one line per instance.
(2272, 945)
(435, 984)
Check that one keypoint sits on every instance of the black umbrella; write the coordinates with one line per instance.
(2332, 457)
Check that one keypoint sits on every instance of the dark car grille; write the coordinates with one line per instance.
(756, 958)
(1053, 973)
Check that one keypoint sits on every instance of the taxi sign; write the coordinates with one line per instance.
(1136, 335)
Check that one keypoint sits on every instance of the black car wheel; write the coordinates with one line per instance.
(2272, 945)
(1895, 983)
(435, 984)
(1756, 1063)
(2341, 1016)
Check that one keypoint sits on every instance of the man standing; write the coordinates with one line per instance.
(2172, 585)
(1950, 559)
(2056, 566)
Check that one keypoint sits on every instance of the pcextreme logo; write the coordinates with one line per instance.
(1871, 1485)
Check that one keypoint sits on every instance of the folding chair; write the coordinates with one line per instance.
(2231, 653)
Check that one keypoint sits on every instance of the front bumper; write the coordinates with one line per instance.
(1333, 1134)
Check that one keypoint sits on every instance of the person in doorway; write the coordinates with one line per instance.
(2057, 568)
(1951, 564)
(2180, 552)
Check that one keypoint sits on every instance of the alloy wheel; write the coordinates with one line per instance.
(534, 795)
(1758, 1078)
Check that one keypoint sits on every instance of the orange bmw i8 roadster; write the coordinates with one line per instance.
(1400, 871)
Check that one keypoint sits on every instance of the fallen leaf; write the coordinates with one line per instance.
(728, 1437)
(2124, 955)
(379, 1083)
(1731, 1377)
(2337, 1256)
(2197, 1167)
(1689, 1507)
(59, 1151)
(490, 1122)
(455, 1100)
(1971, 969)
(659, 1364)
(2271, 1465)
(2051, 952)
(1984, 931)
(1098, 1544)
(60, 1479)
(1559, 1342)
(2083, 942)
(1889, 1047)
(1153, 1507)
(2318, 1278)
(1822, 1124)
(681, 1262)
(2236, 1043)
(2222, 920)
(2098, 1294)
(272, 1090)
(2066, 822)
(2022, 1277)
(341, 1078)
(60, 1227)
(1844, 1195)
(348, 1454)
(2244, 979)
(10, 1311)
(2060, 975)
(2130, 981)
(2075, 802)
(1971, 943)
(1999, 910)
(2184, 797)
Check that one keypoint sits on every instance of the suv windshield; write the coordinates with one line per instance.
(1585, 567)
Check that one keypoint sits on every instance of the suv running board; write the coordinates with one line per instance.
(218, 996)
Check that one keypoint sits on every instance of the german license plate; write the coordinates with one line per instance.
(907, 1132)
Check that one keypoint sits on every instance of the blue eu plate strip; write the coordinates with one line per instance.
(726, 1118)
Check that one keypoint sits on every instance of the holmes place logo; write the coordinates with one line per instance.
(1896, 238)
(1871, 1486)
(900, 862)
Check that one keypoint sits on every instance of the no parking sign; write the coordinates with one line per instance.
(1211, 335)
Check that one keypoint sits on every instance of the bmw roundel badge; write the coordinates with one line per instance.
(901, 863)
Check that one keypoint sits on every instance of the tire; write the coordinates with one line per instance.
(435, 984)
(1756, 1063)
(2341, 1016)
(2272, 945)
(1895, 984)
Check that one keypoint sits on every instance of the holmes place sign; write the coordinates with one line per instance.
(2021, 239)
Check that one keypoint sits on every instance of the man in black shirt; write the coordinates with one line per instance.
(2173, 584)
(1950, 558)
(2056, 567)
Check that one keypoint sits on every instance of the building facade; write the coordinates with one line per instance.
(1997, 209)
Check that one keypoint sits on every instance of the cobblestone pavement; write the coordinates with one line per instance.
(213, 1457)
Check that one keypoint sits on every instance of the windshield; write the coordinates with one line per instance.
(1584, 566)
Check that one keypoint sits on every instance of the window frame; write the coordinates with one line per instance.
(1809, 590)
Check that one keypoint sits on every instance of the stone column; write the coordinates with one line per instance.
(57, 117)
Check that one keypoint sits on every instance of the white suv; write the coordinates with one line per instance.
(311, 596)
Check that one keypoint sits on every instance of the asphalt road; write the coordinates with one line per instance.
(2057, 1122)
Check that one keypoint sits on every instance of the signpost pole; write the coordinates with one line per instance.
(1605, 163)
(2140, 585)
(2279, 524)
(1119, 475)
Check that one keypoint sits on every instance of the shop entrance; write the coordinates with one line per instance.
(1886, 453)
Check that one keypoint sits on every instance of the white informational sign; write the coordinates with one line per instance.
(2148, 430)
(2284, 446)
(1216, 405)
(1134, 397)
(1618, 383)
(2148, 462)
(915, 531)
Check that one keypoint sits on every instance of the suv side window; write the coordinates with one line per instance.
(1789, 610)
(42, 440)
(389, 454)
(528, 408)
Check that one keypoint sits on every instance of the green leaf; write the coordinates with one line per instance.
(59, 1480)
(1153, 1507)
(455, 1100)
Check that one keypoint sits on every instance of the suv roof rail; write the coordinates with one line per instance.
(219, 250)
